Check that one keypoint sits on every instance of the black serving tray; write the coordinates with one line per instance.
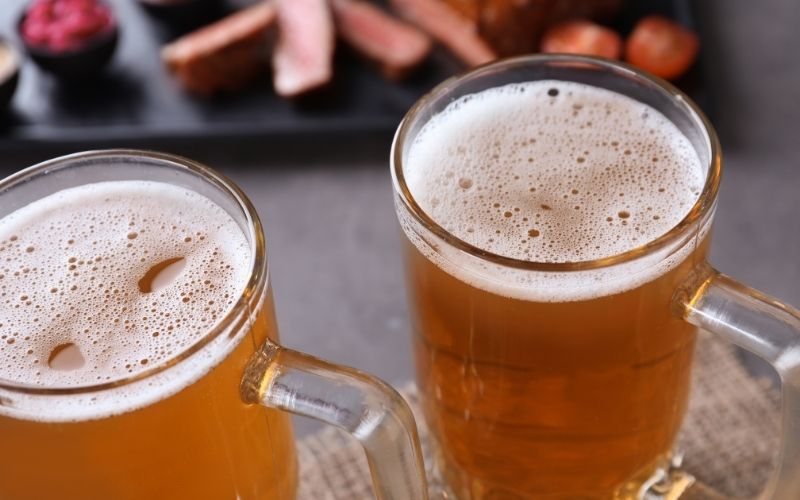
(137, 103)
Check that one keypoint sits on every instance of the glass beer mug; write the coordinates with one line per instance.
(139, 354)
(563, 371)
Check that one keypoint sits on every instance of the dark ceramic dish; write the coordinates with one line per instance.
(77, 64)
(10, 76)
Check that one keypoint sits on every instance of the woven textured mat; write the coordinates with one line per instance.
(730, 436)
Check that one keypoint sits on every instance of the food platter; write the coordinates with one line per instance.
(136, 102)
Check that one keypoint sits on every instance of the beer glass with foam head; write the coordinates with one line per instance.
(557, 212)
(139, 354)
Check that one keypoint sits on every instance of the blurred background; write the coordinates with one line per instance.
(309, 142)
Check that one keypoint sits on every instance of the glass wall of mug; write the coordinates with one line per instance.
(555, 376)
(138, 334)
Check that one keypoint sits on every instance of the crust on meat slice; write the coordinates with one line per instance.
(397, 47)
(302, 59)
(458, 33)
(223, 55)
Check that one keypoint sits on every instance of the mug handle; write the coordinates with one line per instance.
(765, 327)
(364, 406)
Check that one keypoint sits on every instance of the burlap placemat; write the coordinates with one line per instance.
(730, 437)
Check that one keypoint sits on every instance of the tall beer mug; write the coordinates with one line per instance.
(114, 385)
(553, 322)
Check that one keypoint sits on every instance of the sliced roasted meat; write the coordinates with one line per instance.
(223, 55)
(303, 57)
(396, 46)
(449, 27)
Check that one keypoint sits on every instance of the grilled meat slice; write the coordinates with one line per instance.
(397, 47)
(458, 33)
(303, 56)
(223, 55)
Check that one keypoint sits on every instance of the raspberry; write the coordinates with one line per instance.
(81, 25)
(35, 32)
(41, 11)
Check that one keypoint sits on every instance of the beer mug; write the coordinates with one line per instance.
(192, 402)
(553, 322)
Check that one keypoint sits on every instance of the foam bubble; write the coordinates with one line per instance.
(557, 172)
(71, 271)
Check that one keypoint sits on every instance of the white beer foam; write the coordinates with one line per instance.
(552, 171)
(70, 265)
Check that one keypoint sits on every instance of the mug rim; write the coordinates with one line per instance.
(232, 321)
(699, 211)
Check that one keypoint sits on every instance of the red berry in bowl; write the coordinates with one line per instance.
(40, 11)
(35, 32)
(81, 25)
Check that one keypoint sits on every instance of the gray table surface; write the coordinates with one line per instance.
(334, 244)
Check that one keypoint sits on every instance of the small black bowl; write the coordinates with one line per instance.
(9, 73)
(77, 64)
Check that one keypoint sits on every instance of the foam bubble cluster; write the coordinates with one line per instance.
(553, 171)
(75, 309)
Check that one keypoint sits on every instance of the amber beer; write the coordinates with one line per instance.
(100, 283)
(549, 382)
